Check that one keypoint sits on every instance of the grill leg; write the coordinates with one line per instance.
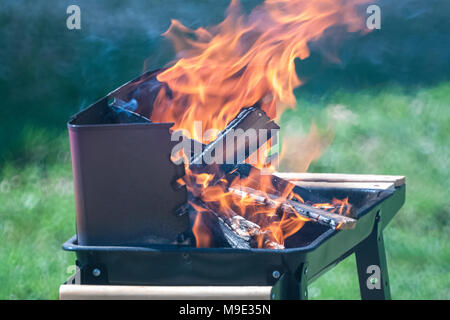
(372, 266)
(291, 286)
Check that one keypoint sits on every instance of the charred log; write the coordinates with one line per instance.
(234, 165)
(234, 231)
(230, 173)
(231, 145)
(332, 220)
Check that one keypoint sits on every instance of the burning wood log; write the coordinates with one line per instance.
(332, 220)
(247, 229)
(235, 135)
(229, 173)
(230, 231)
(233, 166)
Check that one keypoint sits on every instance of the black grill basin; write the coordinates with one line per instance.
(311, 252)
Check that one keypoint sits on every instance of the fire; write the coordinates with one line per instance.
(275, 225)
(244, 59)
(201, 231)
(241, 61)
(336, 206)
(231, 200)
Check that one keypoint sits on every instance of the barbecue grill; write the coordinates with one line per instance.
(129, 235)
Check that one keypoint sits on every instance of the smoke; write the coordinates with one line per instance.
(40, 57)
(47, 72)
(412, 47)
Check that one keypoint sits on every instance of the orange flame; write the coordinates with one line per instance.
(244, 59)
(275, 224)
(237, 63)
(200, 230)
(342, 207)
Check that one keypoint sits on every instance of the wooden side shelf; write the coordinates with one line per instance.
(343, 180)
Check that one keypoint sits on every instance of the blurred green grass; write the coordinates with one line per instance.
(391, 130)
(386, 130)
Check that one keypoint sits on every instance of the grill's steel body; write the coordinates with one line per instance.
(297, 267)
(124, 187)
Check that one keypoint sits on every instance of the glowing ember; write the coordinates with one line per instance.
(336, 206)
